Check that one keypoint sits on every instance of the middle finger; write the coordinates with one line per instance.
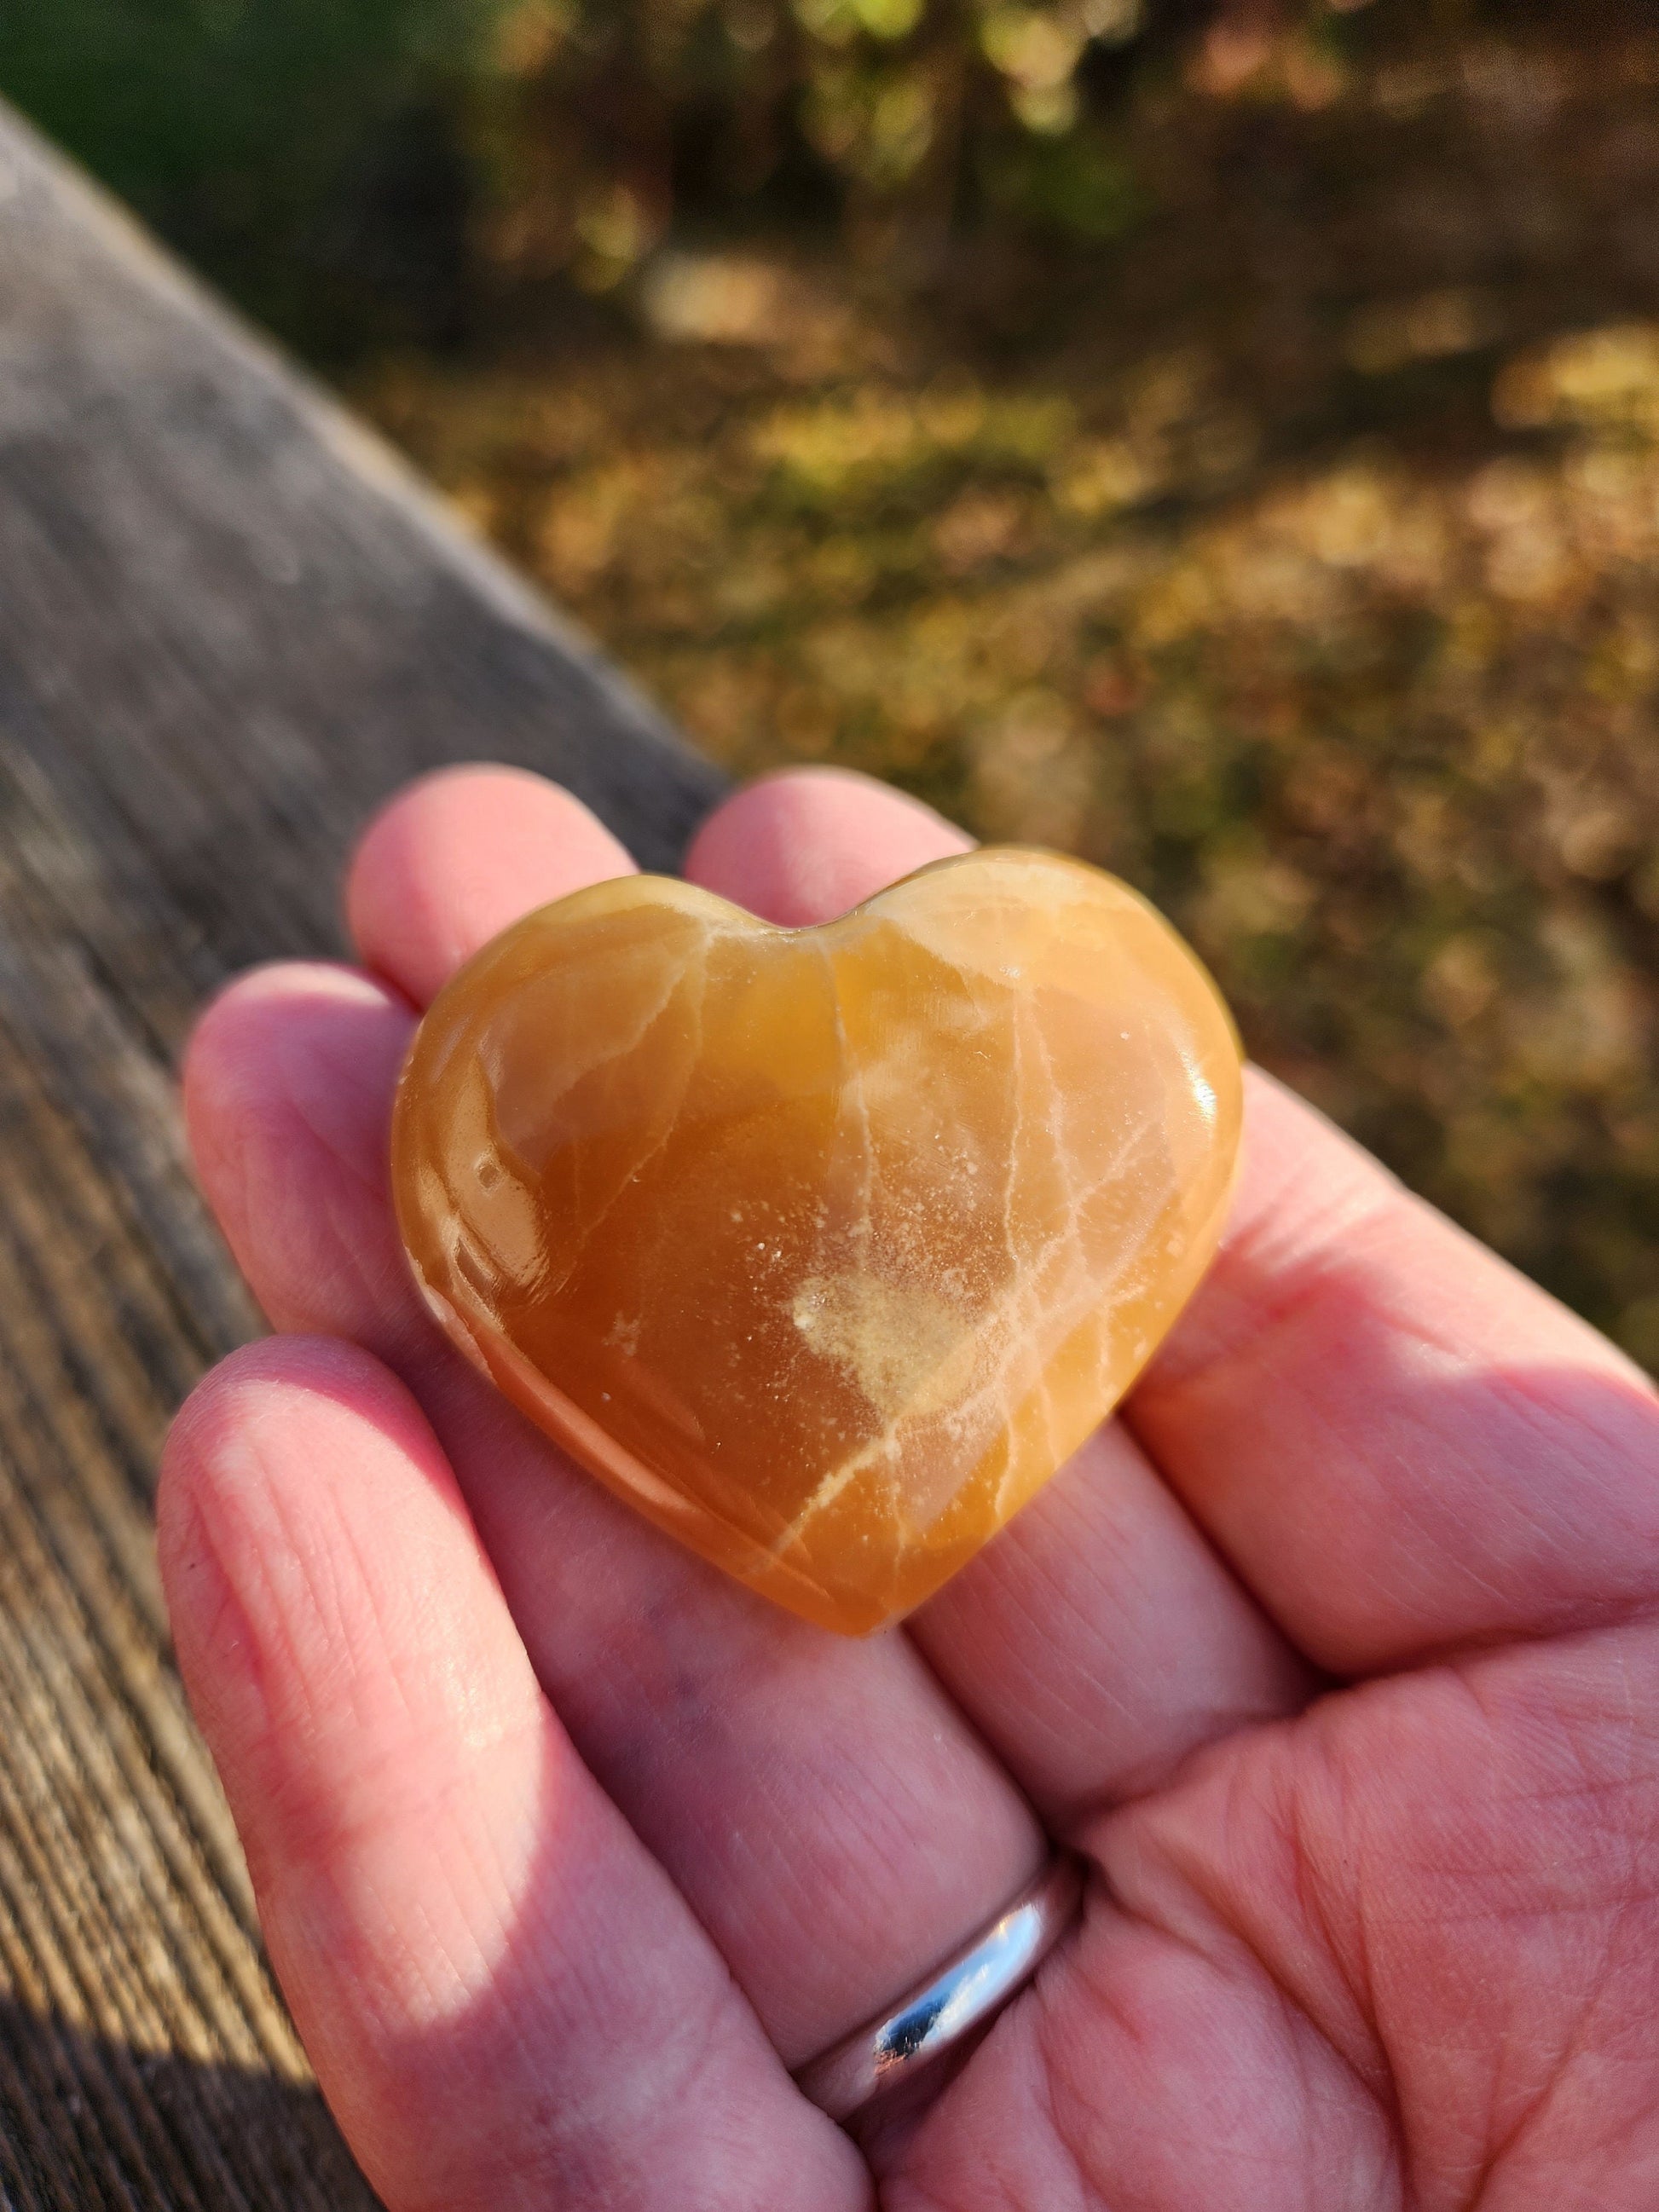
(1100, 1640)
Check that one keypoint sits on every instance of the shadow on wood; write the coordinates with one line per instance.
(86, 2124)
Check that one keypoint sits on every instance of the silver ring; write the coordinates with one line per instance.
(953, 2001)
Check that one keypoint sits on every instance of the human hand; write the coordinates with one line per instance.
(1335, 1656)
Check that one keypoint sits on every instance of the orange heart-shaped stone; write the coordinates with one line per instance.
(825, 1247)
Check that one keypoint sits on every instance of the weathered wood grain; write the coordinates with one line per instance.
(229, 623)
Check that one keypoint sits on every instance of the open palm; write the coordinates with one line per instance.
(1336, 1656)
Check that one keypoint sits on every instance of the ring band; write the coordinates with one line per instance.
(953, 2001)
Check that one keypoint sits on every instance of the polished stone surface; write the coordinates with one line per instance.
(824, 1247)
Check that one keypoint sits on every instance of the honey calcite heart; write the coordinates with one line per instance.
(823, 1248)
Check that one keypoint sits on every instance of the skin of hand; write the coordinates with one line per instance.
(1336, 1656)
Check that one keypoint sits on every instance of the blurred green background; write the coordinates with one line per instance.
(1221, 440)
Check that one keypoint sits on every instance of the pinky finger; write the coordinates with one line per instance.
(507, 2002)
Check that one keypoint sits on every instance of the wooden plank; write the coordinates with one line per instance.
(230, 622)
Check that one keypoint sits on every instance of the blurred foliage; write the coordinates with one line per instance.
(352, 171)
(1293, 555)
(302, 150)
(906, 119)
